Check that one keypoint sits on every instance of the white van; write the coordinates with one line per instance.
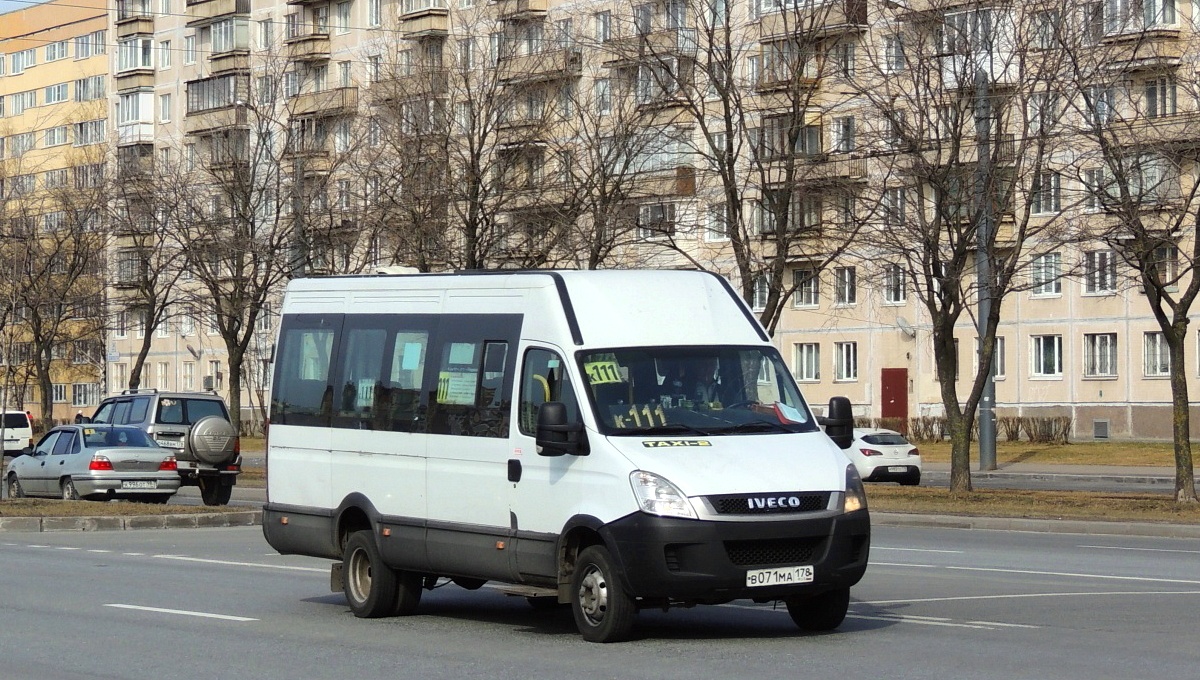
(18, 433)
(612, 439)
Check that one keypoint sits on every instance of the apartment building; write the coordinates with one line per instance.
(53, 152)
(807, 150)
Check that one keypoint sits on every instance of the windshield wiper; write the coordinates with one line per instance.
(754, 426)
(664, 429)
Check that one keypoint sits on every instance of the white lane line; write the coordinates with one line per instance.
(1161, 550)
(181, 612)
(97, 550)
(1017, 596)
(65, 547)
(133, 554)
(1004, 625)
(923, 550)
(910, 619)
(1033, 572)
(243, 564)
(901, 618)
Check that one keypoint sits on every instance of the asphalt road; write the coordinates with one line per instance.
(936, 603)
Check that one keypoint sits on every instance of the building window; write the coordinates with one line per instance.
(1100, 355)
(1046, 193)
(808, 361)
(59, 392)
(55, 136)
(189, 376)
(341, 17)
(1163, 266)
(807, 283)
(603, 26)
(1157, 354)
(1047, 274)
(214, 379)
(87, 89)
(85, 394)
(845, 285)
(135, 53)
(894, 60)
(189, 49)
(893, 207)
(845, 361)
(56, 94)
(894, 284)
(1100, 102)
(374, 12)
(762, 290)
(1100, 271)
(1160, 97)
(997, 356)
(160, 375)
(1047, 355)
(718, 223)
(843, 134)
(164, 54)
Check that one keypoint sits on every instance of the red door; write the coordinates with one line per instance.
(894, 395)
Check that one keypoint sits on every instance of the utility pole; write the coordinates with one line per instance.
(983, 265)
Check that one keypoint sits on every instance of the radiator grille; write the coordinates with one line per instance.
(769, 504)
(773, 551)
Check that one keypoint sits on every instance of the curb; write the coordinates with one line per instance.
(1060, 477)
(1045, 526)
(194, 521)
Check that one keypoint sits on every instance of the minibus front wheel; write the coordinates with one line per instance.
(604, 611)
(819, 613)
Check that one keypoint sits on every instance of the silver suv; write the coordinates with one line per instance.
(194, 425)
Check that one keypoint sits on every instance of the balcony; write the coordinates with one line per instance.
(818, 170)
(233, 60)
(205, 12)
(133, 79)
(515, 10)
(425, 84)
(135, 133)
(671, 42)
(541, 66)
(336, 102)
(1179, 132)
(817, 19)
(1154, 49)
(308, 47)
(678, 181)
(420, 18)
(212, 120)
(134, 22)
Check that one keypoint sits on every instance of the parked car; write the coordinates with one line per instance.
(193, 425)
(18, 433)
(885, 456)
(96, 462)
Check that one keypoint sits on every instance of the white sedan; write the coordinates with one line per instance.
(884, 456)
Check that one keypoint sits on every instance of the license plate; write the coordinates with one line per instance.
(898, 468)
(170, 444)
(780, 576)
(140, 484)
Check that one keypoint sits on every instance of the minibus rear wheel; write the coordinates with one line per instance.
(603, 611)
(369, 584)
(819, 613)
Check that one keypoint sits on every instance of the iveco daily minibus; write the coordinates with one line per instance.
(614, 440)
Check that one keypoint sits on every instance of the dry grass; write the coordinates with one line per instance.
(50, 507)
(1126, 507)
(1084, 453)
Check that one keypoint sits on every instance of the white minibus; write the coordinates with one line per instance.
(613, 440)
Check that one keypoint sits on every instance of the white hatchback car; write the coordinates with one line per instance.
(884, 456)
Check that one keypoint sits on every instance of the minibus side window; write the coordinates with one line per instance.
(544, 379)
(301, 393)
(362, 369)
(401, 409)
(470, 393)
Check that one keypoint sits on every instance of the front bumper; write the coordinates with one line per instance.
(663, 558)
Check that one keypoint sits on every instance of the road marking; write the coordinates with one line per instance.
(181, 612)
(65, 547)
(133, 554)
(1015, 596)
(97, 550)
(1162, 550)
(926, 550)
(1034, 572)
(935, 621)
(243, 564)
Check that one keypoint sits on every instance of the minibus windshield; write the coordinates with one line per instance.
(693, 391)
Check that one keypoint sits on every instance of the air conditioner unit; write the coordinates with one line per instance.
(208, 382)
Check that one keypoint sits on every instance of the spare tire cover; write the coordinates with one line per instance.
(212, 439)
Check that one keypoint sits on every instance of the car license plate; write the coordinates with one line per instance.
(779, 576)
(170, 443)
(898, 468)
(139, 484)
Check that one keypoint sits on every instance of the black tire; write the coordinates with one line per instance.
(603, 611)
(15, 490)
(69, 492)
(408, 592)
(369, 584)
(214, 492)
(820, 613)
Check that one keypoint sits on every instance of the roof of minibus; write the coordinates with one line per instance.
(613, 308)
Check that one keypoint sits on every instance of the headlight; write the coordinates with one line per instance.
(856, 495)
(657, 496)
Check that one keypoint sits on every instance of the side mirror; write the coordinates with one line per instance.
(555, 436)
(84, 419)
(839, 423)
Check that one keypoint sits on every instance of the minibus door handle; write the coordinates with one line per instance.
(514, 470)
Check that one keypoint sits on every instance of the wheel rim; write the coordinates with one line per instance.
(358, 580)
(593, 595)
(68, 490)
(14, 488)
